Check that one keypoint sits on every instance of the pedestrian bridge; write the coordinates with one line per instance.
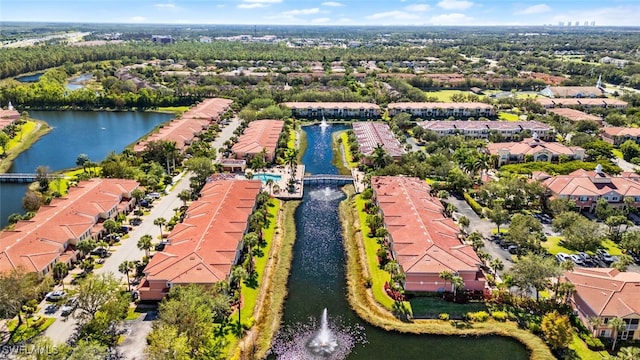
(17, 178)
(328, 179)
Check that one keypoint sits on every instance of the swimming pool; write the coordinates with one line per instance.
(265, 176)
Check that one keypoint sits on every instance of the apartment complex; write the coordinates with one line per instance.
(536, 149)
(617, 135)
(261, 135)
(192, 123)
(371, 134)
(584, 103)
(51, 235)
(575, 115)
(481, 129)
(207, 244)
(422, 239)
(443, 109)
(317, 110)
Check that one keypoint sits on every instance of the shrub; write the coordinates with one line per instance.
(480, 316)
(499, 315)
(535, 328)
(593, 343)
(473, 203)
(443, 316)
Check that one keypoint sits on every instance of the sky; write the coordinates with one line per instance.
(319, 12)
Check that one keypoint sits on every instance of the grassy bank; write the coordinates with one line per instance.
(362, 301)
(268, 313)
(29, 133)
(338, 151)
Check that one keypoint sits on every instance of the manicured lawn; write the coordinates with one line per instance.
(553, 245)
(433, 306)
(611, 247)
(25, 128)
(174, 109)
(617, 153)
(445, 95)
(25, 332)
(378, 276)
(347, 153)
(291, 141)
(583, 352)
(508, 116)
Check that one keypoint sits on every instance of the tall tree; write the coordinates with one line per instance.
(16, 287)
(497, 215)
(94, 291)
(238, 276)
(446, 275)
(125, 267)
(145, 243)
(533, 272)
(160, 222)
(617, 325)
(557, 330)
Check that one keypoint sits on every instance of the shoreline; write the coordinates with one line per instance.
(28, 139)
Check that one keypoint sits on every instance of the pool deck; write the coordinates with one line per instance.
(280, 191)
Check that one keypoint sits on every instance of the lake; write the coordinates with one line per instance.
(94, 133)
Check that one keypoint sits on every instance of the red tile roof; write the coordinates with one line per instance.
(531, 147)
(439, 105)
(574, 115)
(423, 239)
(187, 127)
(370, 134)
(261, 134)
(205, 246)
(589, 183)
(608, 292)
(603, 102)
(37, 243)
(621, 131)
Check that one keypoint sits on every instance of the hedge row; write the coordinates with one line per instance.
(473, 203)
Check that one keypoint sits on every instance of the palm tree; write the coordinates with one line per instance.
(250, 240)
(85, 246)
(160, 222)
(83, 160)
(184, 195)
(595, 322)
(138, 195)
(457, 283)
(60, 270)
(496, 265)
(238, 275)
(475, 238)
(628, 353)
(379, 157)
(446, 275)
(269, 184)
(103, 244)
(617, 325)
(110, 225)
(125, 267)
(145, 244)
(291, 159)
(565, 290)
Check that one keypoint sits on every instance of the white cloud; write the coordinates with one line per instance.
(332, 3)
(301, 12)
(320, 20)
(165, 6)
(534, 9)
(262, 1)
(606, 16)
(137, 19)
(251, 6)
(418, 7)
(451, 19)
(396, 14)
(455, 4)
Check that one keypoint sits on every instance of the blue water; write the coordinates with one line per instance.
(75, 132)
(318, 156)
(264, 177)
(30, 78)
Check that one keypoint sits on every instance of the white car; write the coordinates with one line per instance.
(577, 259)
(55, 295)
(561, 257)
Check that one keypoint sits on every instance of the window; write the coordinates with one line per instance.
(605, 333)
(584, 198)
(614, 198)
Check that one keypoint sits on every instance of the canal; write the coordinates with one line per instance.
(94, 133)
(317, 281)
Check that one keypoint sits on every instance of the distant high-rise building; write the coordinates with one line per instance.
(593, 23)
(586, 23)
(568, 23)
(560, 23)
(577, 23)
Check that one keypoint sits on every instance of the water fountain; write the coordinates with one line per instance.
(324, 343)
(326, 194)
(323, 124)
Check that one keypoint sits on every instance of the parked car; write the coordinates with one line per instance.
(605, 256)
(512, 249)
(55, 295)
(51, 309)
(69, 306)
(101, 252)
(160, 246)
(562, 257)
(135, 221)
(154, 195)
(576, 259)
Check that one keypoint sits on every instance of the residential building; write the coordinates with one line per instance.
(508, 130)
(572, 92)
(8, 116)
(52, 234)
(349, 110)
(535, 149)
(586, 187)
(162, 39)
(443, 109)
(617, 62)
(575, 115)
(617, 135)
(204, 247)
(422, 239)
(606, 294)
(371, 134)
(261, 135)
(582, 103)
(190, 125)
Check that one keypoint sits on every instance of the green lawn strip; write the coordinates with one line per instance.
(617, 153)
(24, 332)
(132, 314)
(445, 95)
(378, 276)
(27, 135)
(508, 116)
(291, 141)
(431, 307)
(611, 247)
(583, 352)
(347, 153)
(553, 245)
(178, 110)
(249, 294)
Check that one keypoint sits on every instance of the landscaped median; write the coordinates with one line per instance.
(29, 133)
(371, 306)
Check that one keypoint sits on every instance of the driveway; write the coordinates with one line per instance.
(135, 333)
